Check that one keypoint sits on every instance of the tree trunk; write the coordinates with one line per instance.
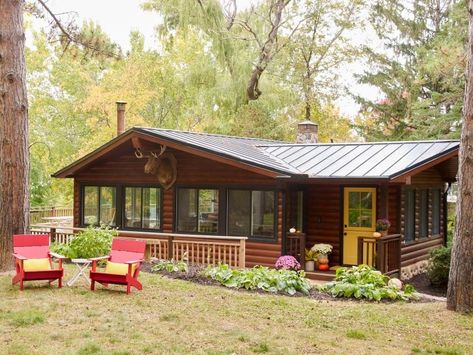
(14, 199)
(460, 285)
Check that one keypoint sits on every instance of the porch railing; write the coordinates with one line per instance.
(295, 246)
(196, 249)
(37, 215)
(383, 253)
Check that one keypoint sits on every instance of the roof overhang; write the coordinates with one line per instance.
(404, 176)
(135, 133)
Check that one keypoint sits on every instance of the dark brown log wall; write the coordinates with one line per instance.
(191, 171)
(323, 217)
(420, 248)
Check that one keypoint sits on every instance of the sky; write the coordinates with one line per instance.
(119, 17)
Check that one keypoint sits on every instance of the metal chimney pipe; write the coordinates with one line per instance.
(120, 117)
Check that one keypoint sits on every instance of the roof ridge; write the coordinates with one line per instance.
(364, 143)
(213, 135)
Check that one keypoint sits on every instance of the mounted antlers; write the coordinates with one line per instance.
(161, 164)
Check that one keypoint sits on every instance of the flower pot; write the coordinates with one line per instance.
(383, 233)
(310, 265)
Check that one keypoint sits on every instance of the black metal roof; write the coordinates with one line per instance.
(382, 160)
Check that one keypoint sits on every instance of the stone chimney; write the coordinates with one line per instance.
(120, 117)
(307, 132)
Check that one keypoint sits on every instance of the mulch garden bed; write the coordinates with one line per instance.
(194, 275)
(422, 284)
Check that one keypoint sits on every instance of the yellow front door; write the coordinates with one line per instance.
(359, 219)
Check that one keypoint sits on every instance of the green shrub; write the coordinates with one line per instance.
(89, 243)
(170, 266)
(59, 248)
(259, 277)
(439, 266)
(365, 282)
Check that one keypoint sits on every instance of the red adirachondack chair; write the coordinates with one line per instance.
(33, 260)
(123, 265)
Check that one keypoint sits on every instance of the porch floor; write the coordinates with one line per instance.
(328, 275)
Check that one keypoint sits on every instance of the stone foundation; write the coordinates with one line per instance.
(414, 269)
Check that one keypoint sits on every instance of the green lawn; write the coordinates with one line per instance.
(173, 316)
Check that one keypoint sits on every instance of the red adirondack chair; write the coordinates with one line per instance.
(123, 266)
(33, 260)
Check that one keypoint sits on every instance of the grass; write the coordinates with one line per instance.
(174, 316)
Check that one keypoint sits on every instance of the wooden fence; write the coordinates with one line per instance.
(37, 215)
(382, 253)
(194, 249)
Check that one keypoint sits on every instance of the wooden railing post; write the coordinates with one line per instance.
(302, 250)
(170, 247)
(52, 234)
(242, 256)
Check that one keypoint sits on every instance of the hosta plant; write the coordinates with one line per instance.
(261, 278)
(364, 282)
(170, 266)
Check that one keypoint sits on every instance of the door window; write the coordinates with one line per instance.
(360, 209)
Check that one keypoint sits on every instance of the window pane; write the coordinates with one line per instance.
(151, 208)
(366, 218)
(91, 210)
(239, 212)
(436, 212)
(262, 213)
(424, 214)
(187, 210)
(108, 205)
(354, 200)
(133, 207)
(365, 200)
(409, 216)
(354, 218)
(208, 211)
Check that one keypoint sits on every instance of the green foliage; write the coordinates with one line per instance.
(356, 334)
(261, 278)
(60, 248)
(364, 282)
(91, 242)
(419, 71)
(438, 268)
(170, 266)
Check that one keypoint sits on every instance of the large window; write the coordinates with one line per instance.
(197, 210)
(418, 199)
(142, 207)
(251, 213)
(100, 205)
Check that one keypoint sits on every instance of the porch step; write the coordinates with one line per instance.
(328, 275)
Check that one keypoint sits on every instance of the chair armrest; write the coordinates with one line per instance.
(133, 261)
(56, 255)
(100, 258)
(20, 257)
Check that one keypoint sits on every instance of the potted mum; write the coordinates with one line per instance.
(322, 250)
(382, 226)
(310, 258)
(287, 262)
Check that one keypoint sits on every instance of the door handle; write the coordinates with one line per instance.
(345, 225)
(345, 233)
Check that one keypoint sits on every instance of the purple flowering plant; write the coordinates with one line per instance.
(382, 224)
(287, 262)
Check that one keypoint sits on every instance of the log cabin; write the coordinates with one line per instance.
(160, 182)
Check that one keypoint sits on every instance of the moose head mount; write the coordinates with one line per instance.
(162, 164)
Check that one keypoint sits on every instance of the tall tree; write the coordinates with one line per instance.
(14, 200)
(418, 36)
(460, 284)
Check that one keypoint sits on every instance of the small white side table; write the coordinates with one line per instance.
(82, 266)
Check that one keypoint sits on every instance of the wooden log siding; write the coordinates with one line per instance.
(196, 249)
(323, 218)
